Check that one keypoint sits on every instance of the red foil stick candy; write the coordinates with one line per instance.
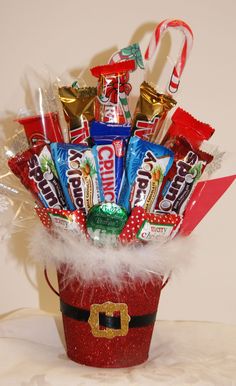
(111, 105)
(37, 173)
(42, 128)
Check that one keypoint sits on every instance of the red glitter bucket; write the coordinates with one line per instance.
(106, 326)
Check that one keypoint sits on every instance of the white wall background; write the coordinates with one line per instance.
(68, 36)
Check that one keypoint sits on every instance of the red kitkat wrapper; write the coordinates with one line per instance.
(183, 176)
(111, 104)
(64, 219)
(185, 125)
(145, 226)
(114, 68)
(36, 170)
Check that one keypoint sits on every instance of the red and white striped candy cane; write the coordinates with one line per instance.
(161, 28)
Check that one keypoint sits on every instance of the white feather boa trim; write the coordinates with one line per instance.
(89, 262)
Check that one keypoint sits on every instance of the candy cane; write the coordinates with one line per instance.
(125, 106)
(173, 84)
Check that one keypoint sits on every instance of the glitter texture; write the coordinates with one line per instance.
(123, 351)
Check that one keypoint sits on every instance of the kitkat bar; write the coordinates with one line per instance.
(56, 219)
(113, 88)
(143, 226)
(185, 125)
(36, 170)
(181, 180)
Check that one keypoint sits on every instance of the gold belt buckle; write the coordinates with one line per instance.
(109, 308)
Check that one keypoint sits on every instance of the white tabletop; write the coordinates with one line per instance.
(182, 354)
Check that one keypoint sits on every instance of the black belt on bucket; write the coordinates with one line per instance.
(113, 322)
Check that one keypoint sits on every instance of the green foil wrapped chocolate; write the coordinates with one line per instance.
(105, 222)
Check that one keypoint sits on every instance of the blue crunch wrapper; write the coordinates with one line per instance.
(109, 152)
(146, 165)
(107, 132)
(77, 171)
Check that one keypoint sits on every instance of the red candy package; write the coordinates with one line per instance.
(145, 226)
(36, 170)
(74, 221)
(111, 105)
(181, 180)
(42, 128)
(185, 125)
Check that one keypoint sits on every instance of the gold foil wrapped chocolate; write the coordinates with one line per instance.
(78, 106)
(151, 110)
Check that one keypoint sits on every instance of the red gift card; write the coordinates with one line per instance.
(204, 197)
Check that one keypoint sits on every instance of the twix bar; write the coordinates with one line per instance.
(78, 107)
(151, 110)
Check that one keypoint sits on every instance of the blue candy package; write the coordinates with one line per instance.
(105, 132)
(109, 151)
(77, 171)
(146, 165)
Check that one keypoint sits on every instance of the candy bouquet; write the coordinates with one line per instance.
(113, 190)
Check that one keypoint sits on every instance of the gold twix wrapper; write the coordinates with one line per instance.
(150, 113)
(78, 106)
